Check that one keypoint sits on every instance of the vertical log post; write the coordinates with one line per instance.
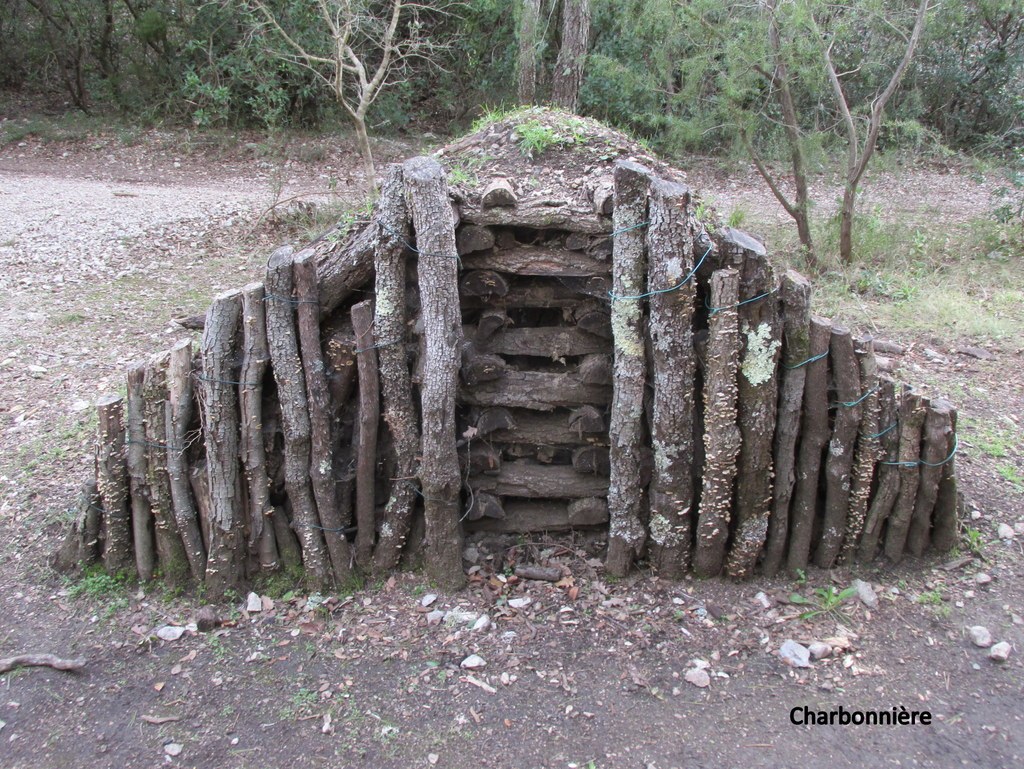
(427, 198)
(321, 439)
(888, 484)
(721, 432)
(625, 494)
(760, 342)
(225, 555)
(814, 436)
(135, 458)
(369, 418)
(91, 517)
(796, 312)
(866, 458)
(938, 424)
(255, 359)
(912, 414)
(112, 487)
(291, 390)
(396, 386)
(669, 262)
(179, 409)
(944, 531)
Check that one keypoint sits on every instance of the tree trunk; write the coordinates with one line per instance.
(944, 531)
(427, 199)
(572, 55)
(625, 494)
(938, 425)
(529, 42)
(866, 458)
(888, 484)
(912, 415)
(112, 487)
(365, 152)
(369, 417)
(135, 459)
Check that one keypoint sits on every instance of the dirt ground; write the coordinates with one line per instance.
(102, 244)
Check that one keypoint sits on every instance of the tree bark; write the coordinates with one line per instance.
(112, 488)
(529, 42)
(369, 417)
(135, 459)
(888, 484)
(528, 516)
(866, 458)
(81, 544)
(625, 494)
(938, 425)
(572, 55)
(721, 432)
(944, 531)
(538, 390)
(427, 199)
(552, 342)
(796, 312)
(912, 415)
(537, 261)
(525, 478)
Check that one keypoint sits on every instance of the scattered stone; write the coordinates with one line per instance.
(794, 654)
(460, 617)
(173, 748)
(819, 650)
(1000, 652)
(428, 599)
(980, 636)
(982, 578)
(169, 632)
(253, 603)
(473, 662)
(433, 758)
(207, 619)
(471, 554)
(700, 664)
(698, 677)
(1005, 531)
(975, 515)
(520, 603)
(976, 352)
(435, 617)
(865, 593)
(764, 600)
(482, 623)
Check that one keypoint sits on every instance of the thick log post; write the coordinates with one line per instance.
(321, 439)
(866, 458)
(291, 390)
(396, 388)
(255, 359)
(135, 459)
(669, 262)
(369, 418)
(721, 432)
(760, 342)
(112, 487)
(80, 547)
(814, 436)
(625, 494)
(888, 484)
(427, 199)
(938, 424)
(179, 409)
(226, 552)
(912, 415)
(796, 313)
(944, 519)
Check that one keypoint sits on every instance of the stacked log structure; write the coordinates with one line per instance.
(487, 369)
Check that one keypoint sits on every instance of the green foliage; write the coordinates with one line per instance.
(95, 582)
(826, 601)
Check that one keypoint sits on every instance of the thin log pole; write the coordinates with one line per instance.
(427, 198)
(796, 312)
(321, 438)
(814, 436)
(396, 386)
(721, 432)
(866, 459)
(135, 459)
(369, 418)
(944, 519)
(112, 485)
(912, 415)
(938, 424)
(225, 561)
(669, 262)
(179, 409)
(888, 485)
(625, 494)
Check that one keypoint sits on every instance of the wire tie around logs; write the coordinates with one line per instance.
(916, 462)
(886, 431)
(219, 381)
(338, 530)
(670, 289)
(805, 362)
(851, 404)
(377, 346)
(153, 445)
(619, 231)
(402, 239)
(716, 310)
(289, 300)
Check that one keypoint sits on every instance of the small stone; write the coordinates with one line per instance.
(253, 603)
(435, 617)
(1000, 652)
(975, 515)
(976, 352)
(700, 664)
(819, 650)
(1005, 531)
(482, 623)
(173, 748)
(460, 617)
(980, 636)
(982, 578)
(471, 554)
(169, 632)
(428, 599)
(764, 600)
(520, 603)
(433, 758)
(865, 593)
(698, 677)
(207, 619)
(794, 654)
(473, 662)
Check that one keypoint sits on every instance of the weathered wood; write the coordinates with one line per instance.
(944, 519)
(721, 433)
(472, 238)
(498, 193)
(344, 262)
(396, 385)
(524, 478)
(526, 516)
(480, 457)
(491, 321)
(529, 427)
(135, 461)
(625, 494)
(796, 312)
(595, 370)
(478, 367)
(536, 261)
(669, 263)
(594, 319)
(112, 487)
(427, 197)
(866, 458)
(888, 484)
(321, 470)
(566, 292)
(839, 464)
(591, 460)
(289, 551)
(7, 664)
(938, 425)
(291, 388)
(369, 417)
(225, 560)
(200, 484)
(483, 283)
(814, 436)
(484, 505)
(586, 419)
(912, 415)
(540, 212)
(255, 359)
(489, 420)
(552, 342)
(179, 409)
(539, 390)
(602, 195)
(81, 544)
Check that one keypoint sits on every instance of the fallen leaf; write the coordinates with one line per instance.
(190, 656)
